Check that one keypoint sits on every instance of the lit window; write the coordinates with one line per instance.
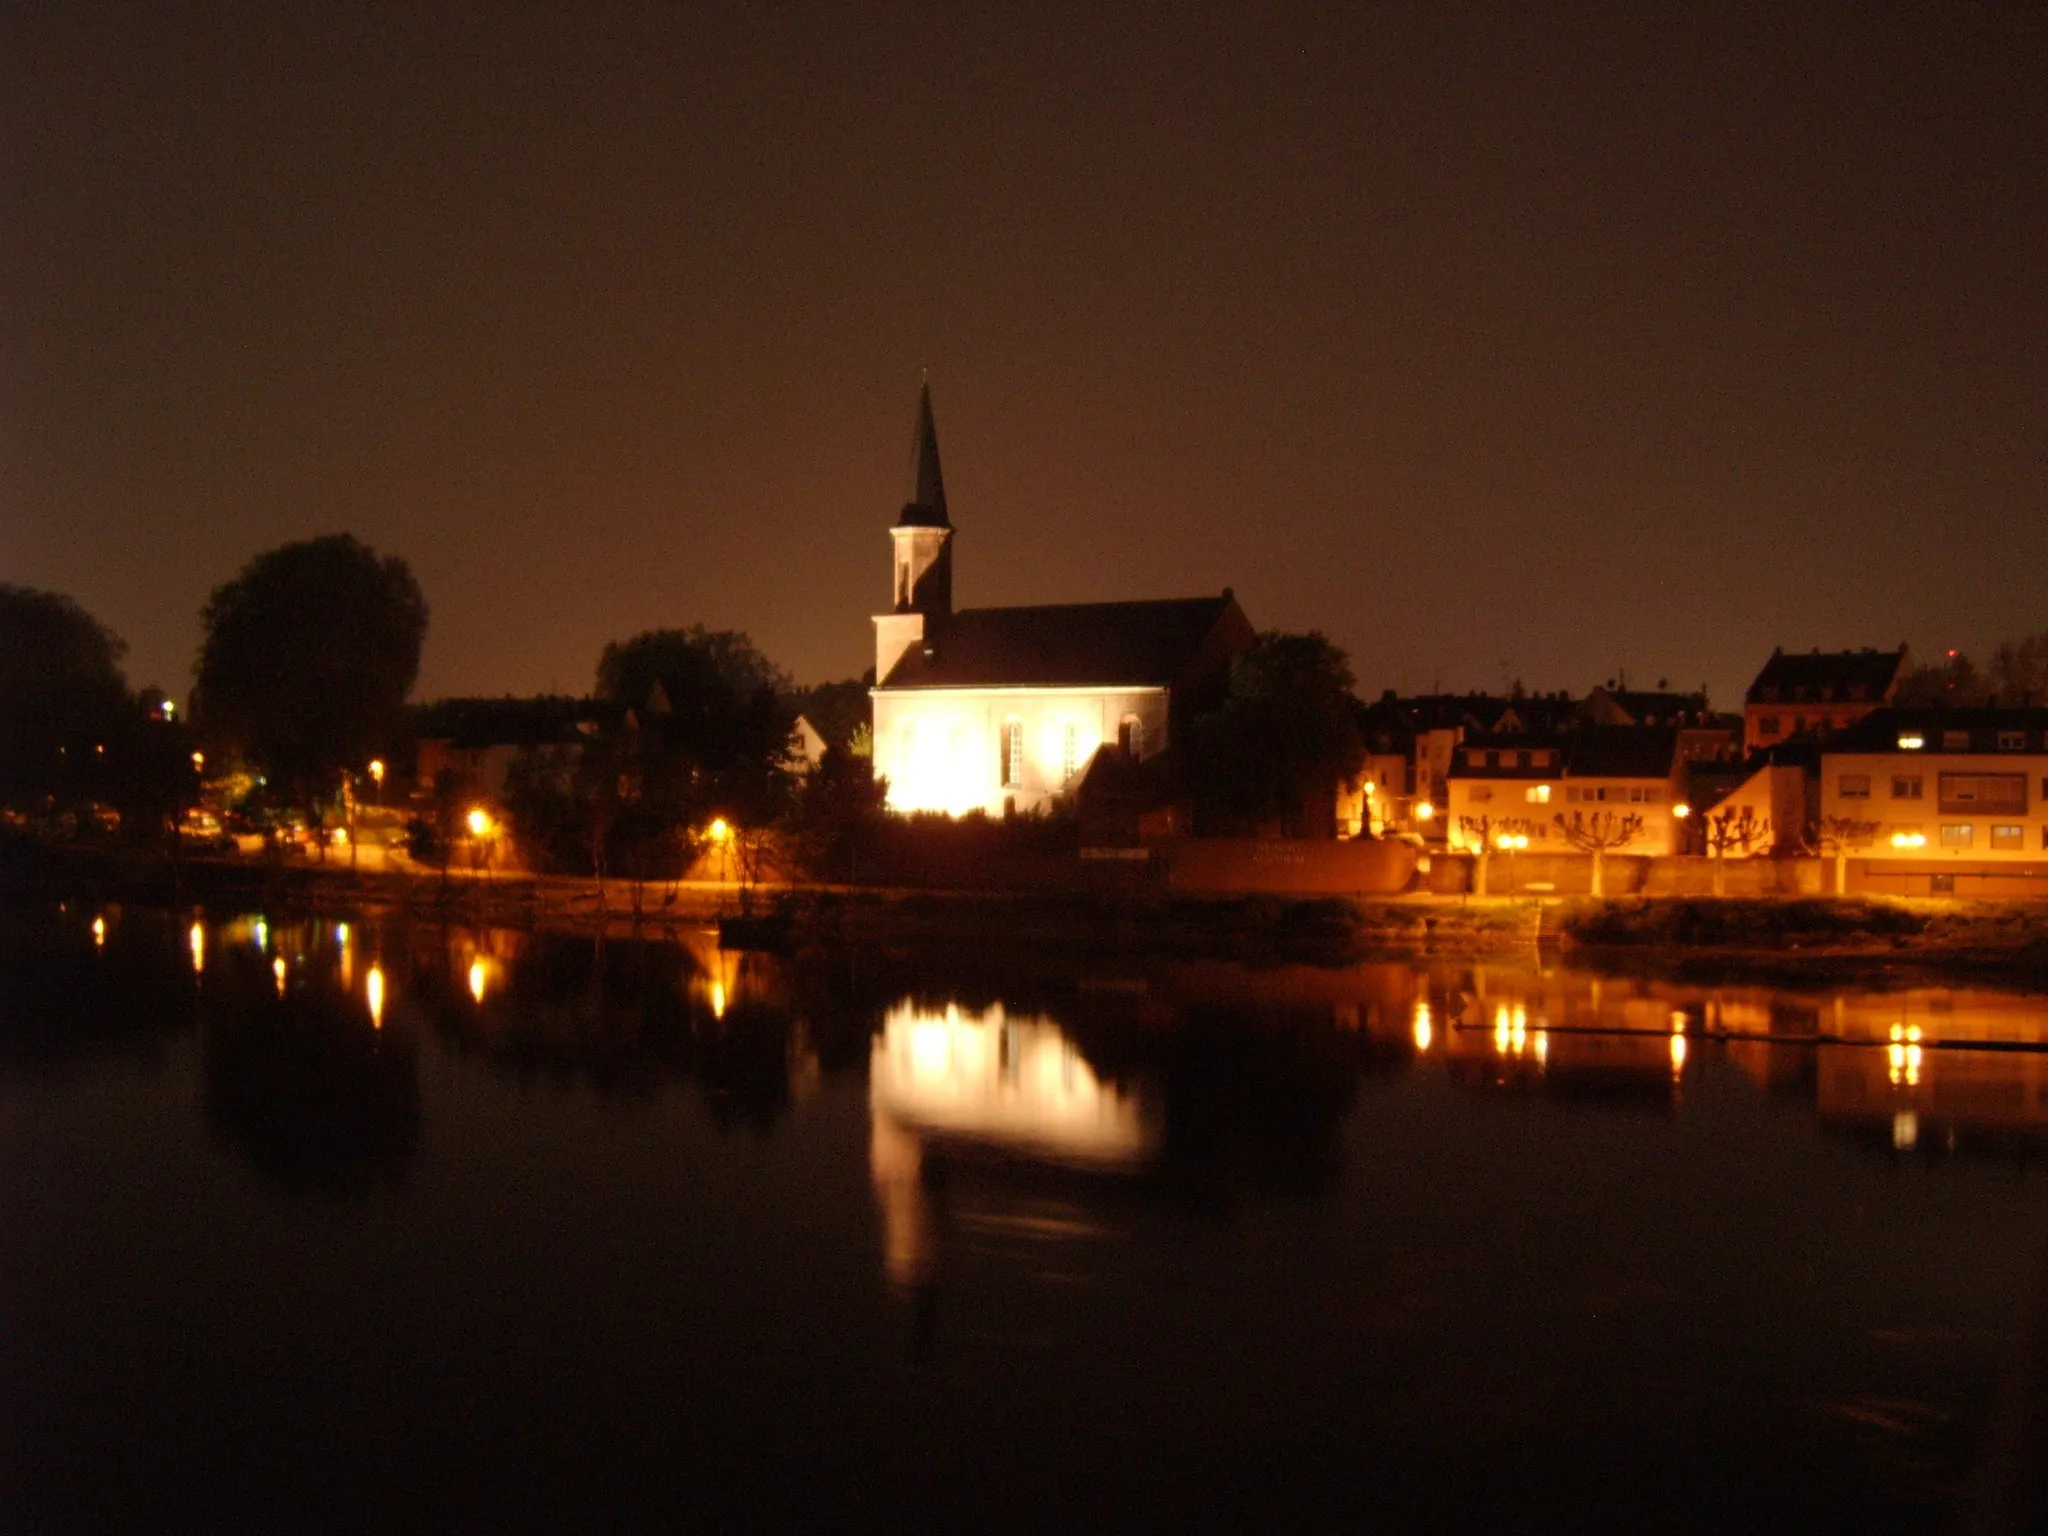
(1854, 786)
(2008, 837)
(1906, 786)
(1539, 794)
(1956, 835)
(1911, 741)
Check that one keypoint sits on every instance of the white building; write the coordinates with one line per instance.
(999, 709)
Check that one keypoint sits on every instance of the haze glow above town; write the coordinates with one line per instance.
(1531, 342)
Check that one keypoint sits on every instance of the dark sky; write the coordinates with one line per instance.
(1522, 342)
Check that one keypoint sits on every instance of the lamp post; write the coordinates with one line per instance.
(377, 778)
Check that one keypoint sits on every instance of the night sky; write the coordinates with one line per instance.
(1527, 342)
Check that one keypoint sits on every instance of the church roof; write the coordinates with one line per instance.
(927, 505)
(1072, 645)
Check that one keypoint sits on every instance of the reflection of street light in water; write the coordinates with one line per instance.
(277, 970)
(476, 979)
(197, 939)
(373, 987)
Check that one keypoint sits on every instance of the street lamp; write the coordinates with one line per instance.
(377, 777)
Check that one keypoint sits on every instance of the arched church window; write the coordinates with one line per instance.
(1012, 744)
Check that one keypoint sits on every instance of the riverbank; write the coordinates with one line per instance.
(1778, 940)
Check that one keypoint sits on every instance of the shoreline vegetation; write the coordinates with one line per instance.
(1780, 941)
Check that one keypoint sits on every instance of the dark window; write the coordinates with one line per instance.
(1767, 725)
(1854, 786)
(1983, 792)
(1906, 786)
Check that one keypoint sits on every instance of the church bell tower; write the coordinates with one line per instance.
(921, 548)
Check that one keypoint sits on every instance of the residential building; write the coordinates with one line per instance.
(1818, 692)
(1941, 801)
(1533, 786)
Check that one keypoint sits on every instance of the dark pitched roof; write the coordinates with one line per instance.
(1974, 730)
(927, 505)
(1817, 677)
(470, 724)
(1070, 645)
(1621, 752)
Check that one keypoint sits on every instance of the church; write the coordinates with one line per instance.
(1003, 709)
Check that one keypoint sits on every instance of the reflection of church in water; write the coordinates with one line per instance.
(984, 1082)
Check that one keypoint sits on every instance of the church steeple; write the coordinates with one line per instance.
(927, 505)
(921, 553)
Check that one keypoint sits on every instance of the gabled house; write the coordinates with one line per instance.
(476, 740)
(1002, 709)
(1818, 692)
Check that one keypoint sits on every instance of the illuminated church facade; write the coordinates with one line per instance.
(1003, 709)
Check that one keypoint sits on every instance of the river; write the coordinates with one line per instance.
(359, 1223)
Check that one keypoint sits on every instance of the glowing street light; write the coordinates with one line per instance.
(377, 777)
(1681, 810)
(1425, 811)
(720, 830)
(478, 821)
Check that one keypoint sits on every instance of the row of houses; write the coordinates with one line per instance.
(1922, 799)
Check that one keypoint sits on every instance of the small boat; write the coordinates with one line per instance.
(770, 931)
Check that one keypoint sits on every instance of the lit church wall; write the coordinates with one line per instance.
(942, 749)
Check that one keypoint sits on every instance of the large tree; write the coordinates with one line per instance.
(308, 657)
(1284, 739)
(62, 695)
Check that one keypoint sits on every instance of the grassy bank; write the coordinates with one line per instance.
(1781, 940)
(1808, 939)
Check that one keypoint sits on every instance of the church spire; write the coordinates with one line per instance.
(927, 505)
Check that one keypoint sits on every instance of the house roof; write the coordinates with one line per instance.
(1621, 752)
(1827, 677)
(473, 724)
(1145, 644)
(1972, 730)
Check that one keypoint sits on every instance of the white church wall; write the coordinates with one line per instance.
(941, 749)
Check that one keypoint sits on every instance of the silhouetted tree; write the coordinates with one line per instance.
(62, 696)
(1599, 834)
(1835, 836)
(308, 656)
(1284, 737)
(836, 815)
(1734, 830)
(1484, 834)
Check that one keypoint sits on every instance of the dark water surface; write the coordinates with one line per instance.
(366, 1225)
